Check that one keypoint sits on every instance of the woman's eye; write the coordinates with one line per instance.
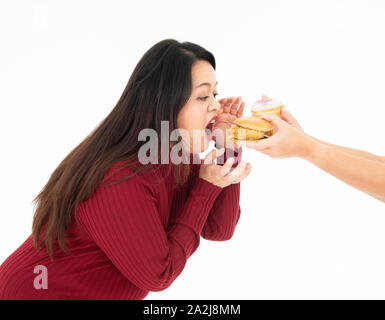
(206, 97)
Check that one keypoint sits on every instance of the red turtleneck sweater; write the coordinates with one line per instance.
(133, 237)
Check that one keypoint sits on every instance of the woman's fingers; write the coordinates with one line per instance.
(222, 101)
(227, 104)
(244, 174)
(210, 157)
(236, 173)
(225, 169)
(235, 105)
(240, 171)
(240, 110)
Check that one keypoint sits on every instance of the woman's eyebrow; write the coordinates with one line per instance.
(205, 84)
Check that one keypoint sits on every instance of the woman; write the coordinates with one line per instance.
(359, 169)
(108, 226)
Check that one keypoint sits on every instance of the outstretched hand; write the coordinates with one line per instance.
(289, 140)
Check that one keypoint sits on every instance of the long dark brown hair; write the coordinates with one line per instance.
(158, 88)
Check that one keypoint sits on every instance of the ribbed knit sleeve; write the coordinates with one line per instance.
(123, 220)
(225, 213)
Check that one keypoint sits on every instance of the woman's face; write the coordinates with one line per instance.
(200, 109)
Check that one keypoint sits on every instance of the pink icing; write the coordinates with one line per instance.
(264, 100)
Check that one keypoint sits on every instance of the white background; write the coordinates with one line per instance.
(303, 234)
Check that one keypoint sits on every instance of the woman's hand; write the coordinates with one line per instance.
(222, 176)
(289, 140)
(231, 109)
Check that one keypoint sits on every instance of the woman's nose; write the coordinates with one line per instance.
(214, 106)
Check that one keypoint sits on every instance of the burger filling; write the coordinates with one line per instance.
(239, 133)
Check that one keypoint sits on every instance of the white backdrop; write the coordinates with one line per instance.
(303, 234)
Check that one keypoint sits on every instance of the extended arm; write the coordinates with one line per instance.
(124, 222)
(357, 168)
(361, 154)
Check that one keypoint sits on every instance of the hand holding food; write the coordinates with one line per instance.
(287, 141)
(271, 130)
(253, 128)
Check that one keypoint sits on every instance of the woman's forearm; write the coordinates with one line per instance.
(365, 174)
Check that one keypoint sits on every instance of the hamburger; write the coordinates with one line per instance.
(249, 129)
(266, 106)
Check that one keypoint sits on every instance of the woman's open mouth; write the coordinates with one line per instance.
(209, 127)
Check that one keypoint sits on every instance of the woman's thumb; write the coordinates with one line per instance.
(274, 119)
